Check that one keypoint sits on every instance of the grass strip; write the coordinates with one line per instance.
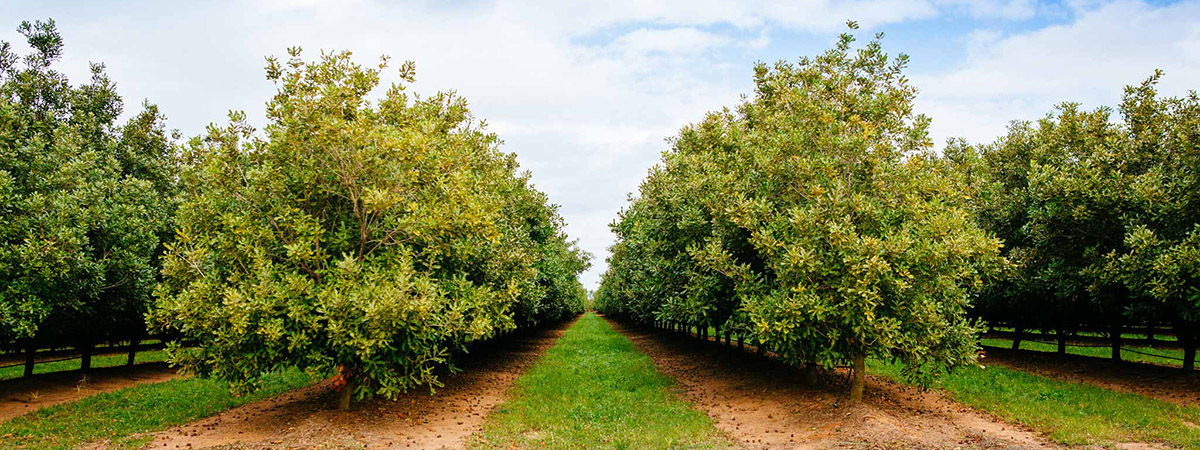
(98, 361)
(593, 389)
(1167, 336)
(123, 416)
(1172, 357)
(1069, 413)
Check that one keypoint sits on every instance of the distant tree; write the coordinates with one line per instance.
(1097, 217)
(371, 238)
(1161, 258)
(1079, 204)
(84, 203)
(1028, 294)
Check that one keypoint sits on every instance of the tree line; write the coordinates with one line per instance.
(815, 220)
(1100, 217)
(371, 238)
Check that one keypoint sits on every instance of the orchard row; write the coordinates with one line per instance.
(371, 238)
(816, 220)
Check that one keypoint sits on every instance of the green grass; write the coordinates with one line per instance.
(1070, 413)
(1100, 352)
(593, 389)
(98, 361)
(1163, 334)
(123, 416)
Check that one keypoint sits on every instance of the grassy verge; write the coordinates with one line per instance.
(122, 416)
(1161, 356)
(593, 389)
(1165, 335)
(98, 361)
(1070, 413)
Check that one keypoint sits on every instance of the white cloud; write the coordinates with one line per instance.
(680, 40)
(1088, 60)
(584, 92)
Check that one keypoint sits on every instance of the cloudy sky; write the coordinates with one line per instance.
(585, 92)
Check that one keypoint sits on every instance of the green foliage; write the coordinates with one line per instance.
(814, 218)
(372, 237)
(1034, 194)
(1100, 219)
(1161, 261)
(593, 389)
(84, 201)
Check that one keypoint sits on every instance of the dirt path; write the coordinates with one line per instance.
(763, 404)
(1164, 383)
(417, 420)
(23, 395)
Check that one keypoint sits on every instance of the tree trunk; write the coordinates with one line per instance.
(1150, 332)
(1189, 356)
(727, 333)
(1187, 339)
(1062, 342)
(758, 349)
(1017, 333)
(1115, 336)
(85, 365)
(741, 342)
(30, 353)
(133, 346)
(858, 378)
(810, 373)
(346, 394)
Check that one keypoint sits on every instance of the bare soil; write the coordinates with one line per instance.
(22, 395)
(764, 404)
(304, 419)
(1163, 383)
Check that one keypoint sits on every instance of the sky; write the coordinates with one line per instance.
(586, 93)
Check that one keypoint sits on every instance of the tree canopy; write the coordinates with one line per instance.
(1098, 216)
(371, 237)
(85, 201)
(815, 215)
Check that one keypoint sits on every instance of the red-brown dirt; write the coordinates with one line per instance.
(23, 395)
(764, 404)
(418, 420)
(1164, 383)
